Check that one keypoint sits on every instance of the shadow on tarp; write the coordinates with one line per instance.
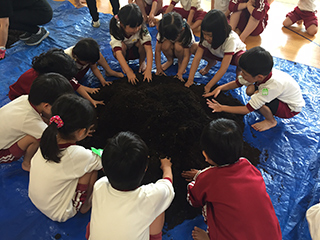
(289, 161)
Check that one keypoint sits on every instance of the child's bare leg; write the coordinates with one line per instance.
(312, 30)
(30, 145)
(142, 58)
(199, 234)
(196, 24)
(88, 179)
(234, 20)
(266, 124)
(79, 3)
(109, 72)
(251, 26)
(250, 90)
(179, 53)
(210, 64)
(157, 225)
(287, 22)
(167, 49)
(142, 6)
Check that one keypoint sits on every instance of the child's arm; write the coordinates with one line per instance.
(184, 63)
(194, 66)
(217, 107)
(151, 14)
(109, 72)
(224, 87)
(170, 8)
(219, 74)
(190, 175)
(157, 57)
(166, 168)
(147, 72)
(124, 65)
(81, 90)
(98, 74)
(91, 90)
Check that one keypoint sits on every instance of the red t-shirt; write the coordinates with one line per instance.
(23, 84)
(235, 202)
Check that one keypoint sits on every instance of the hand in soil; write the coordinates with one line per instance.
(179, 77)
(95, 103)
(213, 104)
(132, 78)
(160, 73)
(188, 83)
(147, 76)
(214, 93)
(106, 83)
(93, 90)
(189, 175)
(165, 162)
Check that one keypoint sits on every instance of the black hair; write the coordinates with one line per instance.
(87, 49)
(215, 22)
(129, 15)
(124, 160)
(256, 61)
(57, 61)
(173, 26)
(76, 113)
(47, 87)
(222, 141)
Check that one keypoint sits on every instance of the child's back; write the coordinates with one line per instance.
(121, 208)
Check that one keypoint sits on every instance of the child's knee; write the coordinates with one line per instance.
(312, 30)
(27, 141)
(166, 46)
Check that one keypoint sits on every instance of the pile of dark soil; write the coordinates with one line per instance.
(169, 118)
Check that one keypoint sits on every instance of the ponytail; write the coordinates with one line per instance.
(49, 145)
(115, 29)
(185, 37)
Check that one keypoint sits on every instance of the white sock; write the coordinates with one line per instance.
(38, 31)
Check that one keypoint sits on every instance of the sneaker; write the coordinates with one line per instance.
(25, 36)
(2, 53)
(96, 24)
(35, 39)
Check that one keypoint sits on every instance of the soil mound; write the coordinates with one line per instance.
(169, 118)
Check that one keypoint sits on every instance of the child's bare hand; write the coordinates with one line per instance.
(93, 90)
(213, 104)
(214, 93)
(95, 103)
(165, 162)
(160, 73)
(132, 78)
(147, 76)
(189, 175)
(106, 83)
(188, 83)
(91, 130)
(179, 76)
(207, 89)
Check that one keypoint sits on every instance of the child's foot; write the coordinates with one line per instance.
(166, 65)
(264, 125)
(207, 68)
(199, 234)
(25, 166)
(142, 67)
(114, 74)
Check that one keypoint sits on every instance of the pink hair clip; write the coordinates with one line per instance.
(116, 17)
(57, 120)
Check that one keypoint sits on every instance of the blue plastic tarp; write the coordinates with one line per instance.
(289, 161)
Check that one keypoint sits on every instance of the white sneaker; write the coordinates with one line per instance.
(96, 24)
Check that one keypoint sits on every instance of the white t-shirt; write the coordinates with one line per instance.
(307, 5)
(187, 4)
(281, 86)
(231, 45)
(18, 119)
(130, 41)
(313, 218)
(221, 5)
(124, 215)
(52, 185)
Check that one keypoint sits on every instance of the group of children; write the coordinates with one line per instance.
(46, 119)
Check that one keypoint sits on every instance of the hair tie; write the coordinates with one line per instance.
(57, 120)
(116, 17)
(184, 23)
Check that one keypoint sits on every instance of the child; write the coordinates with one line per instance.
(190, 10)
(55, 60)
(272, 92)
(231, 191)
(217, 42)
(119, 197)
(130, 39)
(313, 218)
(21, 121)
(62, 173)
(174, 39)
(249, 16)
(149, 9)
(86, 53)
(306, 12)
